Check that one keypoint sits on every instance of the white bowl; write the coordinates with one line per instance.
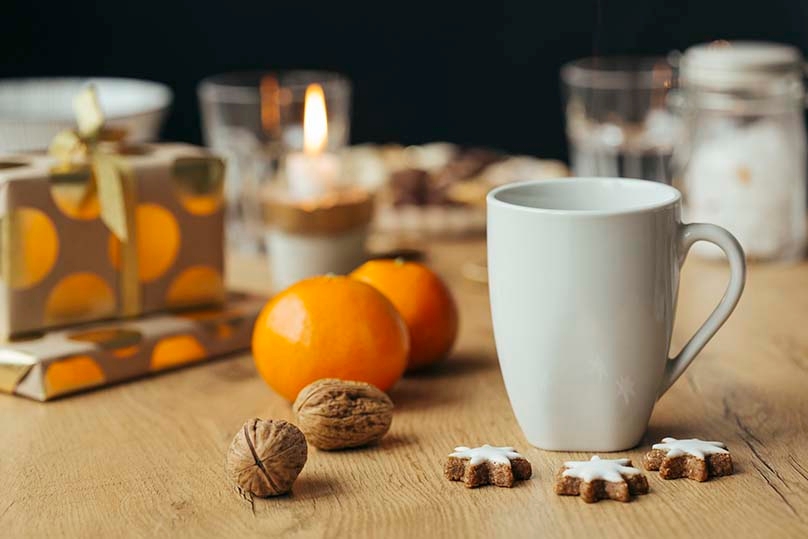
(33, 110)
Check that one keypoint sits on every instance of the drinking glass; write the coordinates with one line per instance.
(617, 121)
(253, 119)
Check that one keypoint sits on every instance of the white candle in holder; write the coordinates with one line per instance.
(318, 224)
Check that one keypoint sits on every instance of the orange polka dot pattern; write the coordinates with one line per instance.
(63, 263)
(158, 242)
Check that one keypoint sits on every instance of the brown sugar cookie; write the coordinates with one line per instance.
(695, 459)
(487, 465)
(599, 479)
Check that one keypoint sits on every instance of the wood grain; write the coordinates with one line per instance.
(146, 459)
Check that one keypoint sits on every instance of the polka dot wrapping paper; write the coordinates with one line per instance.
(60, 264)
(67, 361)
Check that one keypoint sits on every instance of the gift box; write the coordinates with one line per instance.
(115, 231)
(67, 361)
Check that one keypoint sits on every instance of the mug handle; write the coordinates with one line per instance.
(689, 234)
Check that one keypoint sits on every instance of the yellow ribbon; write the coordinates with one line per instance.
(112, 180)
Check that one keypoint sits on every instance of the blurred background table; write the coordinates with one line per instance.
(147, 458)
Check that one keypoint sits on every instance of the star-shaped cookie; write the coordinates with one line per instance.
(598, 479)
(485, 465)
(695, 459)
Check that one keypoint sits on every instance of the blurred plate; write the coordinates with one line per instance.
(33, 110)
(459, 205)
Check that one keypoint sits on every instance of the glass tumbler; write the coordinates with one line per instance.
(253, 119)
(617, 121)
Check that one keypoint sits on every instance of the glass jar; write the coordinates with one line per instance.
(741, 158)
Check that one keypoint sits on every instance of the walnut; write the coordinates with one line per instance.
(266, 457)
(336, 414)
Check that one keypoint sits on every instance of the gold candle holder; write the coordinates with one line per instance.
(315, 237)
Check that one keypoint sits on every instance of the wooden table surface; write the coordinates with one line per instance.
(146, 458)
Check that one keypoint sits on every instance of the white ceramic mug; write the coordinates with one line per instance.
(583, 276)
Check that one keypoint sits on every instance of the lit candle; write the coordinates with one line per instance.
(313, 172)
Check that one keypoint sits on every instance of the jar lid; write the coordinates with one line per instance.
(732, 65)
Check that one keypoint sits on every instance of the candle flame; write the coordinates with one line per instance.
(315, 121)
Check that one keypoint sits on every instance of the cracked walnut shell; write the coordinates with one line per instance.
(266, 457)
(337, 414)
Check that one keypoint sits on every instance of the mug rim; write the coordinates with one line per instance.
(673, 196)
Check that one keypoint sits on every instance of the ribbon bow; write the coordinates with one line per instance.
(111, 179)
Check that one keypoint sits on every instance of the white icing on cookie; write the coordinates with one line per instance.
(694, 446)
(486, 453)
(611, 470)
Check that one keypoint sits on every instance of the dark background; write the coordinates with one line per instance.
(422, 71)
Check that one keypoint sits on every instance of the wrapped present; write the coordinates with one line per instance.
(67, 361)
(99, 229)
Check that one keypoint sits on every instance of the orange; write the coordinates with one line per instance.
(425, 304)
(329, 327)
